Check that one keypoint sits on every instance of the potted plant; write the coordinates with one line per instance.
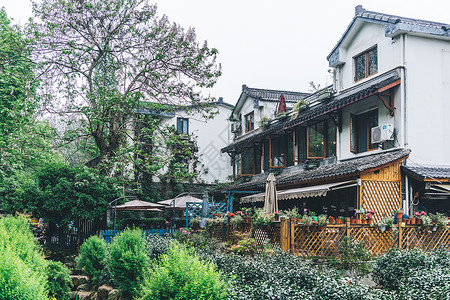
(322, 220)
(418, 215)
(398, 213)
(340, 220)
(307, 221)
(439, 219)
(369, 217)
(330, 220)
(236, 221)
(426, 221)
(261, 219)
(292, 214)
(247, 211)
(385, 223)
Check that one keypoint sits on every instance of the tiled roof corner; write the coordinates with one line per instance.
(428, 171)
(274, 95)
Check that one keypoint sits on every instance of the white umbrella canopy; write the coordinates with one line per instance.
(139, 205)
(180, 202)
(270, 197)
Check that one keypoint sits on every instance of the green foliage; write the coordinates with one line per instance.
(157, 245)
(63, 194)
(179, 274)
(431, 283)
(248, 247)
(59, 282)
(154, 223)
(128, 261)
(391, 269)
(92, 258)
(260, 218)
(199, 239)
(354, 256)
(22, 265)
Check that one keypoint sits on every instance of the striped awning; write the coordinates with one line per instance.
(303, 192)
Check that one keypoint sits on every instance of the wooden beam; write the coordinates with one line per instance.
(389, 86)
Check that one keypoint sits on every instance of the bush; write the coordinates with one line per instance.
(92, 258)
(157, 245)
(179, 274)
(392, 268)
(426, 284)
(353, 256)
(128, 261)
(59, 282)
(198, 239)
(22, 265)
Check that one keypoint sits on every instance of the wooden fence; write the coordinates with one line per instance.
(325, 241)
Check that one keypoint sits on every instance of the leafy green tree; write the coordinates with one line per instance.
(106, 57)
(64, 194)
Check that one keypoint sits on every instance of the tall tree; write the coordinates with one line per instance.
(106, 56)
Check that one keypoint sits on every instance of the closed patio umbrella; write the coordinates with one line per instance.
(270, 197)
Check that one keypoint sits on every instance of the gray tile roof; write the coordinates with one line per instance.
(345, 168)
(397, 19)
(273, 95)
(428, 172)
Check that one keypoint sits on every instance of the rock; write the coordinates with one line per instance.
(78, 280)
(368, 281)
(103, 292)
(95, 296)
(83, 295)
(114, 295)
(73, 295)
(84, 287)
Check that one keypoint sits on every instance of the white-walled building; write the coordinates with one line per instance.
(377, 138)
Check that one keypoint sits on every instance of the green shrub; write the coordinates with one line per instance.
(22, 265)
(354, 256)
(392, 268)
(92, 258)
(157, 245)
(431, 283)
(179, 274)
(59, 282)
(128, 261)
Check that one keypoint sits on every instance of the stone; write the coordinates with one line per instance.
(103, 292)
(78, 280)
(114, 295)
(84, 295)
(73, 295)
(84, 287)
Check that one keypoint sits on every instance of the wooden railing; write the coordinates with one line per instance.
(325, 241)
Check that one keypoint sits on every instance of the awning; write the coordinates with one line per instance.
(303, 192)
(438, 190)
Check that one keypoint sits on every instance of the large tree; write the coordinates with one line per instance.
(104, 57)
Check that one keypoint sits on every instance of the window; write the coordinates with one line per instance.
(249, 122)
(183, 125)
(360, 127)
(278, 147)
(248, 162)
(237, 165)
(366, 64)
(316, 141)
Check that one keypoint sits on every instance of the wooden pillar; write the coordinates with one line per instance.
(400, 233)
(347, 226)
(285, 234)
(292, 239)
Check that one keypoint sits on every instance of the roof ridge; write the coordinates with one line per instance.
(396, 17)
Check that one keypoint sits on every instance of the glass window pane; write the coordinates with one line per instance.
(247, 162)
(360, 63)
(278, 149)
(300, 139)
(316, 141)
(373, 61)
(237, 165)
(331, 139)
(266, 155)
(372, 121)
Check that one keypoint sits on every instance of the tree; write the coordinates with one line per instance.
(106, 56)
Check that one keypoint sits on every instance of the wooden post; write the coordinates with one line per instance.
(292, 239)
(228, 229)
(400, 233)
(284, 234)
(348, 229)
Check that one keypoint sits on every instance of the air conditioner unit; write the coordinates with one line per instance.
(382, 133)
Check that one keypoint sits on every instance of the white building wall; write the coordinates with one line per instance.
(428, 99)
(211, 135)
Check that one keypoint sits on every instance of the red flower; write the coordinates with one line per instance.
(423, 213)
(215, 215)
(417, 213)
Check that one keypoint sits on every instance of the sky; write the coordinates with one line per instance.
(280, 45)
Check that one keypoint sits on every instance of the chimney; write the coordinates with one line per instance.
(359, 9)
(220, 100)
(244, 87)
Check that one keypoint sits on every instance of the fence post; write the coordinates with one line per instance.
(284, 234)
(292, 239)
(228, 229)
(348, 229)
(400, 233)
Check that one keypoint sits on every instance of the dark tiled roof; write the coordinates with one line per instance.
(431, 172)
(273, 95)
(347, 168)
(360, 92)
(397, 24)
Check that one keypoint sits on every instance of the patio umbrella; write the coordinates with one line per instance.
(139, 205)
(270, 197)
(180, 202)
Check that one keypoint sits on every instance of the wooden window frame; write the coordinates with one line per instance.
(251, 117)
(253, 163)
(324, 142)
(366, 67)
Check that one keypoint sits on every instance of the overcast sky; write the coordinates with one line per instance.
(279, 45)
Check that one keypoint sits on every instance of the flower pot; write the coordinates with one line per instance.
(412, 221)
(399, 216)
(363, 221)
(352, 221)
(357, 221)
(247, 219)
(339, 221)
(382, 228)
(369, 221)
(331, 220)
(418, 221)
